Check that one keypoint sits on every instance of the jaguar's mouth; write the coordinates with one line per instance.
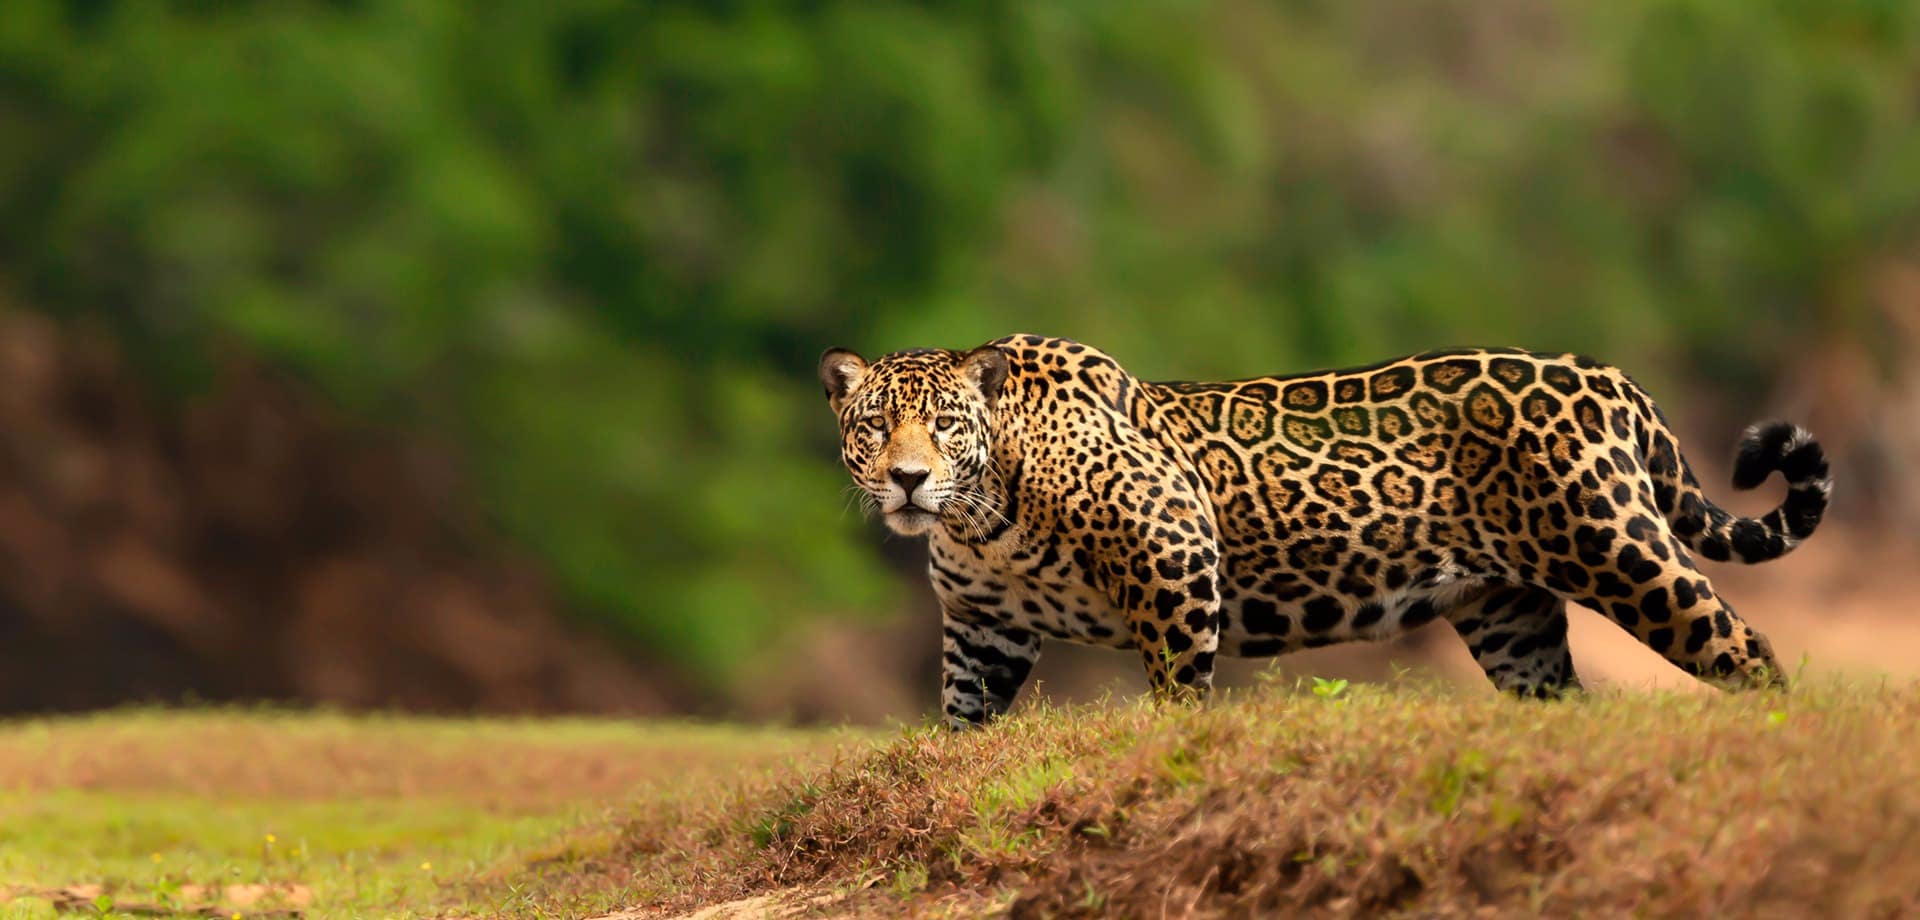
(911, 519)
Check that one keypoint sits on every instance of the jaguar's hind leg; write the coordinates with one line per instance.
(1642, 578)
(1673, 609)
(1518, 635)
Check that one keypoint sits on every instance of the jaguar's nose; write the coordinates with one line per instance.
(907, 480)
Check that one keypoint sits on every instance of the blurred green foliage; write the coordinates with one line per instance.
(599, 244)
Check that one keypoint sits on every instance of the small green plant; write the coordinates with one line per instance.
(1022, 789)
(1166, 657)
(992, 838)
(165, 890)
(1450, 782)
(909, 879)
(1329, 689)
(1180, 767)
(777, 823)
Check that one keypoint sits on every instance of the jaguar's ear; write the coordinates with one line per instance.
(840, 371)
(986, 368)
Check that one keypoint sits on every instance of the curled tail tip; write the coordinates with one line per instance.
(1783, 446)
(1765, 449)
(1791, 451)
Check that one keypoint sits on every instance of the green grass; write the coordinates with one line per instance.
(353, 855)
(368, 816)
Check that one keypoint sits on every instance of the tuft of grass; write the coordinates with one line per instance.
(1022, 788)
(909, 879)
(1452, 781)
(1415, 800)
(768, 828)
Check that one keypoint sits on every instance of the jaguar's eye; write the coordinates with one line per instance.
(875, 422)
(946, 423)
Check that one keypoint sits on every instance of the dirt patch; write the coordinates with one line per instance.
(263, 902)
(776, 905)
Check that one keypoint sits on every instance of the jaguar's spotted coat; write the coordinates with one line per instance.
(1064, 498)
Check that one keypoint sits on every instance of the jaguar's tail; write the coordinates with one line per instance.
(1765, 449)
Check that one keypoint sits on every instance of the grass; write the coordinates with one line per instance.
(263, 812)
(1312, 800)
(1410, 800)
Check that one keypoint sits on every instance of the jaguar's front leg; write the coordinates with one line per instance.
(1175, 618)
(983, 665)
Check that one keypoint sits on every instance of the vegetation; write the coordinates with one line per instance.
(1316, 799)
(596, 245)
(1356, 802)
(260, 813)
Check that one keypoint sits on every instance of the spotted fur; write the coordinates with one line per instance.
(1065, 499)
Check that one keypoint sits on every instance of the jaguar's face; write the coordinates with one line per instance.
(914, 430)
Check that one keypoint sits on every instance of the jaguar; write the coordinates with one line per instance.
(1063, 498)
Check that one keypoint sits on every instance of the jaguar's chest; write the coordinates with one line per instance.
(1045, 589)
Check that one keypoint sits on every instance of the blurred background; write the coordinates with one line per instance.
(425, 354)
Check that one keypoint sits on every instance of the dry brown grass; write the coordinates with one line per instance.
(1378, 800)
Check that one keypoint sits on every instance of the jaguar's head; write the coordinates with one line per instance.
(914, 430)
